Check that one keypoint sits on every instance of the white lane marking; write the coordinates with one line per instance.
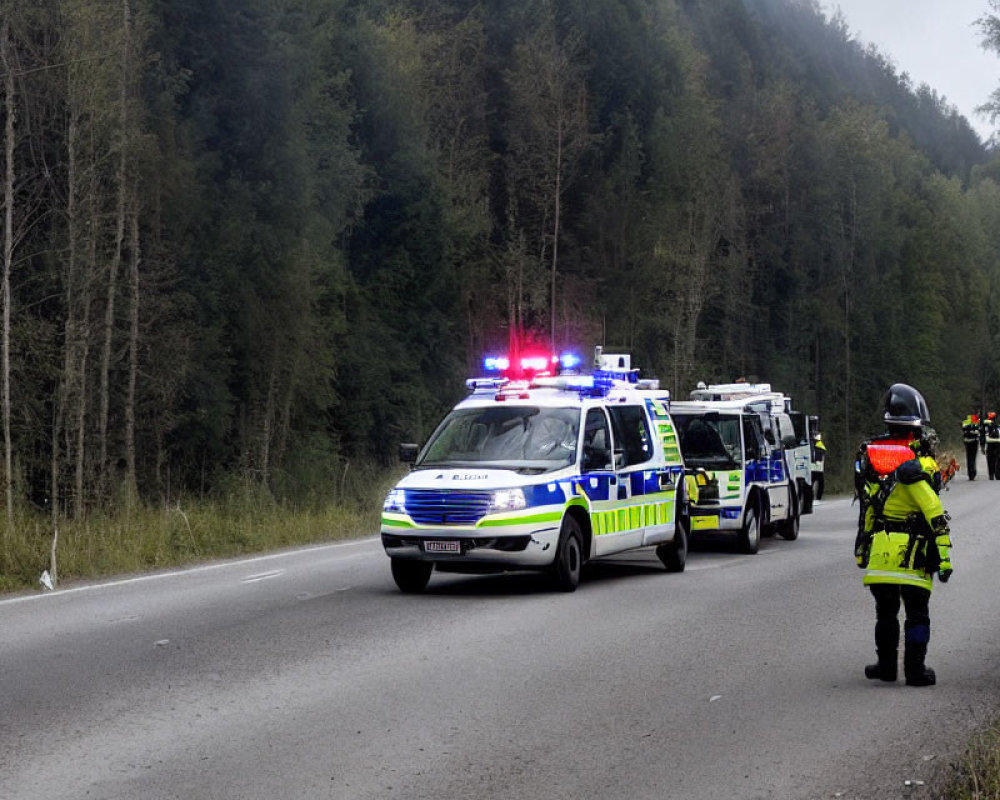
(192, 570)
(263, 576)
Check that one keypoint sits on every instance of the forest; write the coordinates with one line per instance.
(265, 241)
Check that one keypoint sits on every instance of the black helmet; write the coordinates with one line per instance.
(905, 406)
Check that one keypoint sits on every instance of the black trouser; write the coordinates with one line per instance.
(993, 461)
(918, 623)
(971, 451)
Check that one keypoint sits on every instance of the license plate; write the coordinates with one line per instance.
(443, 546)
(704, 523)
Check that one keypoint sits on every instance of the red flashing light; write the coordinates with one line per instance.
(524, 368)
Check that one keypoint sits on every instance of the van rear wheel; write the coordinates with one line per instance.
(789, 528)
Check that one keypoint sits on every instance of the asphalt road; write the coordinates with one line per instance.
(307, 675)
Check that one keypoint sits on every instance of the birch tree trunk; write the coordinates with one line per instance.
(133, 361)
(8, 258)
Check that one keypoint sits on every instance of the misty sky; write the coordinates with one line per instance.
(935, 41)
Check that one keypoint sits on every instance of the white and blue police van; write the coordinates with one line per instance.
(545, 472)
(740, 445)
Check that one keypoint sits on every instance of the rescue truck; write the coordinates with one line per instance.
(741, 449)
(542, 468)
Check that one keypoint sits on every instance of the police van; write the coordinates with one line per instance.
(542, 470)
(739, 443)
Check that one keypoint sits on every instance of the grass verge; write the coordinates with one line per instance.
(144, 539)
(977, 772)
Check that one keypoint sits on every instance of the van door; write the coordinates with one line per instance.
(758, 465)
(598, 481)
(645, 487)
(614, 478)
(801, 460)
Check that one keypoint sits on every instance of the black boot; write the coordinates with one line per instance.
(886, 644)
(914, 653)
(878, 672)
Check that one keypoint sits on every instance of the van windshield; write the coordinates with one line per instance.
(711, 441)
(526, 439)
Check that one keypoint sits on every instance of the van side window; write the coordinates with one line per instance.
(633, 440)
(753, 437)
(596, 442)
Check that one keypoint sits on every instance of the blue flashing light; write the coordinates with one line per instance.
(731, 513)
(568, 361)
(496, 363)
(628, 376)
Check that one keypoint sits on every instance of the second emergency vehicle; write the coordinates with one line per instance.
(740, 443)
(542, 473)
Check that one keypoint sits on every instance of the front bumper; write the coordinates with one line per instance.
(715, 518)
(522, 549)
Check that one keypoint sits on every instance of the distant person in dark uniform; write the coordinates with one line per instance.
(992, 429)
(818, 456)
(970, 438)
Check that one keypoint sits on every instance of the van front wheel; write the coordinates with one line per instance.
(748, 539)
(569, 556)
(411, 576)
(674, 554)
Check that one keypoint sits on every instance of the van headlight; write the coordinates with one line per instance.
(507, 500)
(395, 501)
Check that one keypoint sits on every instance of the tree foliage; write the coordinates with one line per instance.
(267, 239)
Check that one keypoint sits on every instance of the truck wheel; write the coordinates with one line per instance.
(411, 576)
(674, 554)
(569, 556)
(789, 528)
(807, 500)
(748, 539)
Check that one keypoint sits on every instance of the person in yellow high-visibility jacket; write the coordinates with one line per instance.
(904, 539)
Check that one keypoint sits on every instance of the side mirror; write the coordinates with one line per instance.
(769, 435)
(790, 441)
(408, 453)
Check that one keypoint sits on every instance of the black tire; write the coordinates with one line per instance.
(674, 554)
(808, 497)
(569, 556)
(748, 539)
(411, 576)
(789, 528)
